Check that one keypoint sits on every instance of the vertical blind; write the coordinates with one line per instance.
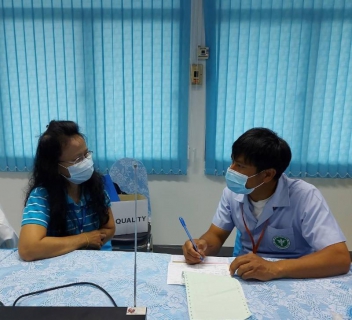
(284, 65)
(119, 68)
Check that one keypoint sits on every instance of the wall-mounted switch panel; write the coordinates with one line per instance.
(197, 74)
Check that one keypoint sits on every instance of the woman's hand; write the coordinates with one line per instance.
(95, 239)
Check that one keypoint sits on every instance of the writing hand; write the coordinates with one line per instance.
(251, 266)
(191, 255)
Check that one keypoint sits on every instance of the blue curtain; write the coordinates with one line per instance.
(119, 68)
(284, 65)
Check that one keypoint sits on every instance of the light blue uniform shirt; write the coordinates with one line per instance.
(299, 220)
(80, 216)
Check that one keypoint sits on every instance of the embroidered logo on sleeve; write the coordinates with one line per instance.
(281, 242)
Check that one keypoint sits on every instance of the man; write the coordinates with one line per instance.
(277, 217)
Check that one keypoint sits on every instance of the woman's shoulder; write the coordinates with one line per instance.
(39, 192)
(38, 197)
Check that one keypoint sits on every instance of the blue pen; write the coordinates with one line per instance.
(189, 236)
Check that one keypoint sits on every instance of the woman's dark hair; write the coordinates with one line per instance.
(46, 174)
(263, 149)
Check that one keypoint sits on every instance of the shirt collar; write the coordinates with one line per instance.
(281, 195)
(82, 201)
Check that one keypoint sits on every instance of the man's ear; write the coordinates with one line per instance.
(269, 175)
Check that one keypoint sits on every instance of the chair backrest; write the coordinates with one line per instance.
(8, 236)
(123, 173)
(238, 244)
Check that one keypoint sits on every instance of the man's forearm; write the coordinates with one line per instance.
(215, 238)
(213, 244)
(330, 261)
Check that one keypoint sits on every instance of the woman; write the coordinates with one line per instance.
(66, 206)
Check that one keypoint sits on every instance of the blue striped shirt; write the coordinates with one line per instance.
(80, 216)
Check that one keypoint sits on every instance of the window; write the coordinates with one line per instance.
(284, 65)
(118, 68)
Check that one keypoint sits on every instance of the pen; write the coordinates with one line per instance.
(189, 236)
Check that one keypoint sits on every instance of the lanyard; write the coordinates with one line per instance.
(255, 246)
(81, 225)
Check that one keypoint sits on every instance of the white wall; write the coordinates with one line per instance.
(195, 196)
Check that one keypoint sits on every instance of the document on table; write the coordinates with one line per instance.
(212, 265)
(212, 296)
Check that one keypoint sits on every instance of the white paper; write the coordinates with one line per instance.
(212, 297)
(212, 265)
(207, 260)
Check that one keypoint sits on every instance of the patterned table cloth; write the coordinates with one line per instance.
(5, 253)
(329, 298)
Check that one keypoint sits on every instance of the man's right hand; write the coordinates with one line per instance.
(191, 255)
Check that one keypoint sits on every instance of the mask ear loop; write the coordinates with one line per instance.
(67, 171)
(62, 165)
(256, 175)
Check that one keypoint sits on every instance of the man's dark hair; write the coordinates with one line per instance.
(46, 174)
(263, 149)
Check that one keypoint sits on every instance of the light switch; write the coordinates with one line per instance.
(197, 74)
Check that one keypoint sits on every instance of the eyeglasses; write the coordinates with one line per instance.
(88, 154)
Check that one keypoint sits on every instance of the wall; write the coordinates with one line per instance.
(195, 196)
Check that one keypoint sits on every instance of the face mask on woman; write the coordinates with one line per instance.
(236, 182)
(80, 172)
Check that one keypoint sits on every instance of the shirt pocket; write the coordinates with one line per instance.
(281, 240)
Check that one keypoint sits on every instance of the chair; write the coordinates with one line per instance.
(122, 173)
(238, 244)
(8, 236)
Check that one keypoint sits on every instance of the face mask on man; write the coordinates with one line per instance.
(80, 172)
(236, 182)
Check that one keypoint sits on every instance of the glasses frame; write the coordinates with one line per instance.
(87, 155)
